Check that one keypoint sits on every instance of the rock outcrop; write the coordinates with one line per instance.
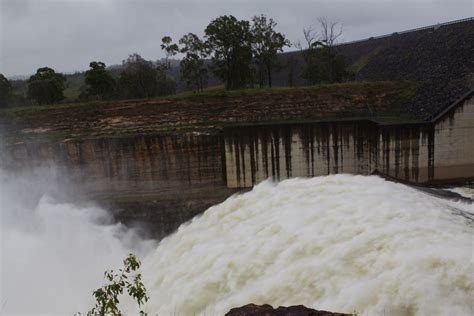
(268, 310)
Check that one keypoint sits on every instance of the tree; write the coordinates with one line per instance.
(170, 48)
(323, 64)
(266, 44)
(142, 79)
(311, 71)
(166, 84)
(138, 79)
(192, 66)
(330, 32)
(128, 278)
(230, 42)
(99, 80)
(5, 91)
(291, 64)
(46, 86)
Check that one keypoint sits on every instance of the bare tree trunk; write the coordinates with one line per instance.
(269, 73)
(260, 76)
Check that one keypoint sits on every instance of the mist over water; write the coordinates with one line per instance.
(53, 254)
(340, 243)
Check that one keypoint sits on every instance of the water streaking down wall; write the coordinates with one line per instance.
(341, 243)
(300, 150)
(440, 151)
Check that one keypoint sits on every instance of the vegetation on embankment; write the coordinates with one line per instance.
(212, 110)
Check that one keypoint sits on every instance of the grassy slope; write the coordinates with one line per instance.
(396, 93)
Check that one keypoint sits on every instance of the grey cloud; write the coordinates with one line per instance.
(68, 34)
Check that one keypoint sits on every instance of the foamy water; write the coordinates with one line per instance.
(464, 191)
(341, 243)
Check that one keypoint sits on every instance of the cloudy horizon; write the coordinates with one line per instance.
(67, 34)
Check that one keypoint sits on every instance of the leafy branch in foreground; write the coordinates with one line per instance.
(107, 297)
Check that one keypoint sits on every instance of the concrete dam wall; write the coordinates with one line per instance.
(432, 152)
(241, 156)
(129, 165)
(454, 142)
(307, 150)
(165, 180)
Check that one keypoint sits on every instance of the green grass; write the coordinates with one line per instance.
(220, 91)
(405, 89)
(51, 136)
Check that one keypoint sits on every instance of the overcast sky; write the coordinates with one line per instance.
(67, 34)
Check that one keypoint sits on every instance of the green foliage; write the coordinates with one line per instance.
(141, 79)
(127, 279)
(100, 82)
(324, 66)
(192, 66)
(76, 88)
(5, 91)
(46, 86)
(291, 66)
(170, 49)
(266, 44)
(166, 85)
(322, 63)
(230, 42)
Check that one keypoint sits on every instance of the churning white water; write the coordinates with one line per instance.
(53, 254)
(464, 191)
(341, 243)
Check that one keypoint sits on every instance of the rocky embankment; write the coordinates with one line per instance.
(209, 111)
(438, 58)
(268, 310)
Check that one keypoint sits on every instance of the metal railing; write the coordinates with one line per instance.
(434, 26)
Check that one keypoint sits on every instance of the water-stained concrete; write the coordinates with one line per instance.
(439, 151)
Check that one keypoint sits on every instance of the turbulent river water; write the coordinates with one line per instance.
(341, 243)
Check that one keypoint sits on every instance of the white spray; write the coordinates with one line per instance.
(53, 254)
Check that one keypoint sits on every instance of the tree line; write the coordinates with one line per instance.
(240, 53)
